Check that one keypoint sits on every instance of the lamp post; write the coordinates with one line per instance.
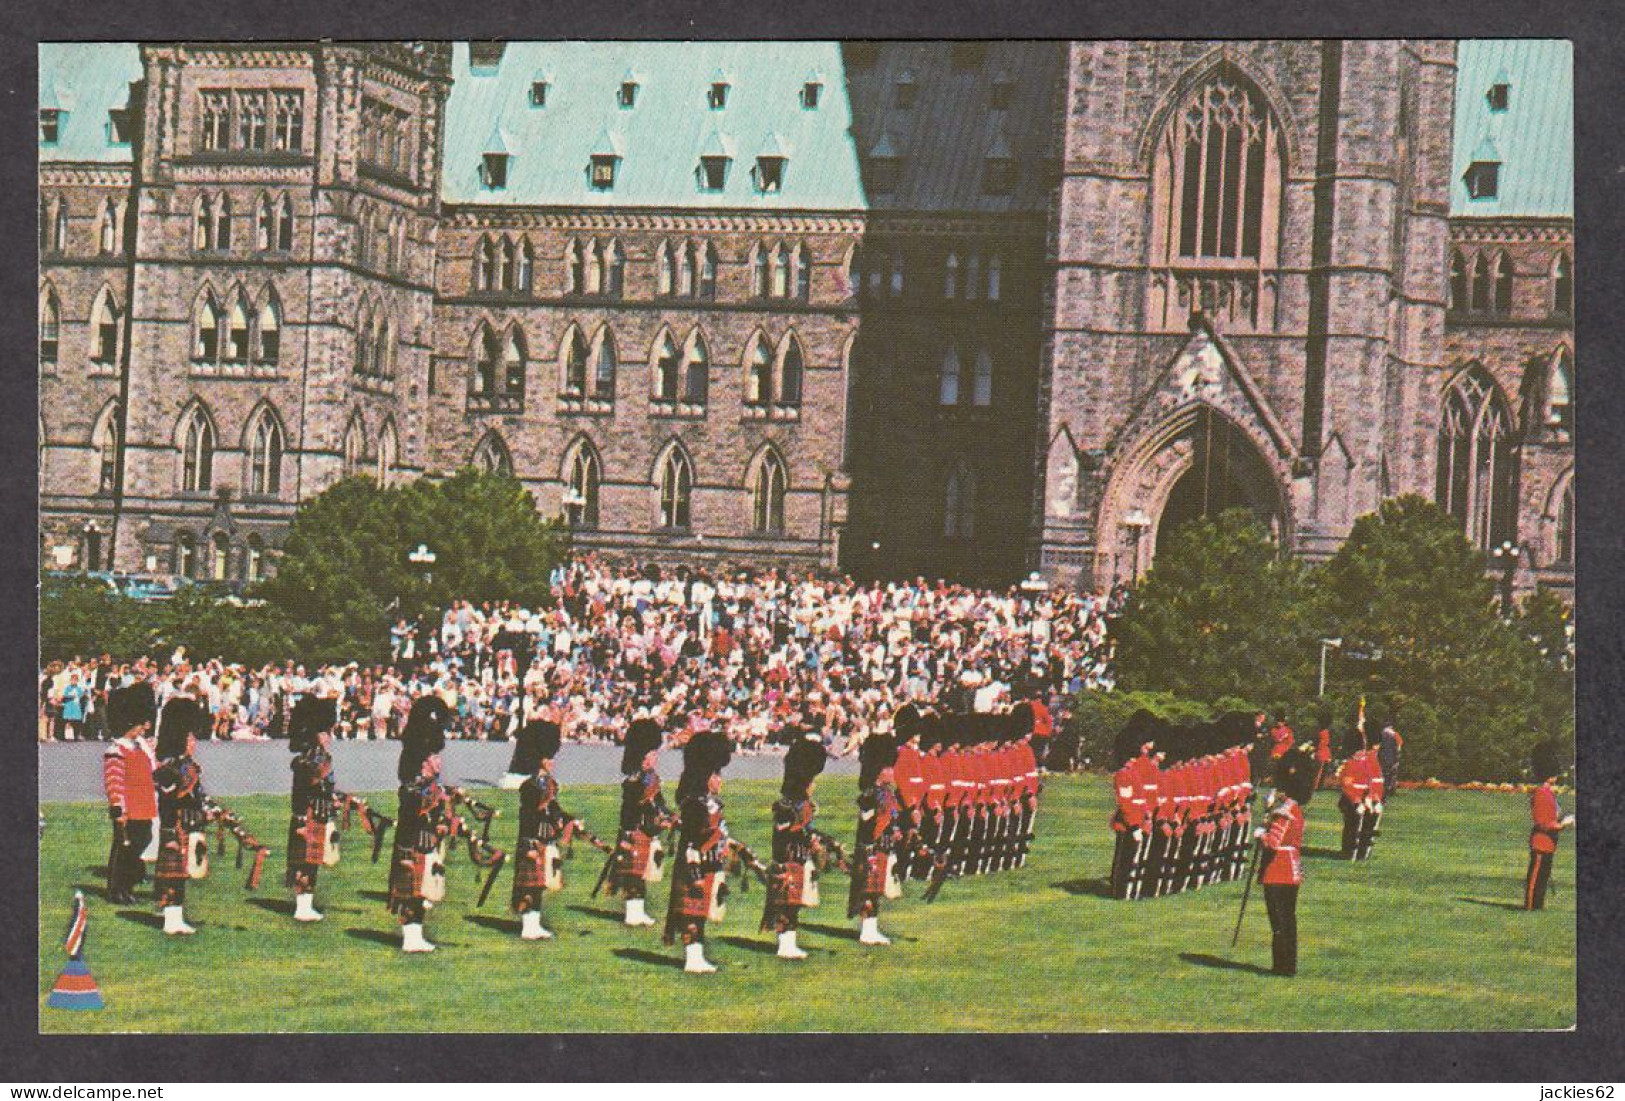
(1506, 556)
(1137, 522)
(1325, 645)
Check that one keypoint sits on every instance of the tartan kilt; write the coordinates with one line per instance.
(307, 841)
(171, 855)
(876, 867)
(786, 886)
(408, 881)
(694, 900)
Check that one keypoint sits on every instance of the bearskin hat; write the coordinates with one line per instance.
(1548, 760)
(130, 707)
(312, 715)
(802, 763)
(642, 738)
(1353, 742)
(424, 736)
(877, 753)
(1295, 774)
(704, 755)
(181, 716)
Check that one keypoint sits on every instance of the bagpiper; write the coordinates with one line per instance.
(183, 846)
(792, 877)
(881, 827)
(639, 858)
(1281, 864)
(417, 866)
(132, 799)
(312, 829)
(699, 888)
(543, 827)
(1549, 822)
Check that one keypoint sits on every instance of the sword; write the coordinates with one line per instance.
(497, 861)
(603, 876)
(1252, 873)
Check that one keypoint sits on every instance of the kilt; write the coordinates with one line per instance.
(172, 849)
(197, 855)
(416, 877)
(788, 885)
(877, 867)
(703, 897)
(307, 841)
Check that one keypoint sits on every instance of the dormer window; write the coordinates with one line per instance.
(494, 171)
(602, 173)
(769, 174)
(1483, 179)
(119, 126)
(538, 93)
(486, 55)
(903, 91)
(627, 96)
(1500, 96)
(717, 97)
(713, 173)
(810, 92)
(50, 126)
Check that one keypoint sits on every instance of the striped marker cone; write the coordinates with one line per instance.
(75, 987)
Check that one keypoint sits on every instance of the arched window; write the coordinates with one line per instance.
(284, 225)
(202, 223)
(197, 452)
(780, 273)
(527, 264)
(106, 444)
(666, 367)
(1503, 283)
(491, 456)
(237, 332)
(615, 270)
(581, 507)
(603, 365)
(392, 246)
(575, 363)
(1477, 472)
(186, 555)
(575, 280)
(1459, 299)
(388, 454)
(696, 369)
(484, 264)
(950, 282)
(254, 559)
(507, 265)
(364, 351)
(595, 268)
(1565, 525)
(1563, 284)
(948, 378)
(676, 489)
(352, 446)
(995, 270)
(269, 331)
(513, 363)
(264, 225)
(383, 349)
(708, 271)
(222, 224)
(791, 368)
(207, 348)
(959, 505)
(265, 455)
(803, 273)
(486, 353)
(220, 557)
(767, 495)
(1560, 391)
(1481, 283)
(758, 373)
(686, 270)
(107, 231)
(46, 224)
(104, 329)
(50, 325)
(758, 272)
(982, 379)
(665, 269)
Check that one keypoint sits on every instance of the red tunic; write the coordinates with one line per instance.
(1283, 842)
(127, 775)
(909, 772)
(1547, 818)
(935, 773)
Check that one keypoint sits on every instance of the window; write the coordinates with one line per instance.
(1481, 283)
(717, 97)
(896, 274)
(982, 379)
(59, 228)
(575, 363)
(676, 490)
(791, 369)
(508, 265)
(486, 352)
(254, 559)
(995, 270)
(252, 131)
(602, 173)
(769, 174)
(513, 363)
(1460, 298)
(1563, 284)
(351, 448)
(197, 453)
(581, 510)
(666, 368)
(1499, 96)
(903, 92)
(216, 114)
(767, 495)
(104, 327)
(237, 333)
(810, 93)
(524, 272)
(222, 224)
(1483, 179)
(959, 506)
(948, 378)
(50, 126)
(50, 326)
(107, 233)
(801, 266)
(696, 370)
(758, 272)
(759, 374)
(265, 456)
(1502, 269)
(685, 270)
(973, 275)
(364, 350)
(614, 270)
(186, 555)
(708, 271)
(494, 174)
(603, 366)
(950, 283)
(264, 225)
(627, 95)
(106, 443)
(1559, 391)
(269, 332)
(1221, 154)
(779, 273)
(575, 281)
(207, 348)
(388, 451)
(290, 122)
(713, 174)
(485, 264)
(538, 93)
(1565, 525)
(1477, 473)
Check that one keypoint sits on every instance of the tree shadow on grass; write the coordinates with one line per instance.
(491, 921)
(644, 955)
(1203, 959)
(594, 911)
(142, 917)
(1499, 905)
(1099, 887)
(274, 905)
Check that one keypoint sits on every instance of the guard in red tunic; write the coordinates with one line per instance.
(882, 826)
(1375, 795)
(1549, 822)
(543, 826)
(1132, 823)
(183, 845)
(639, 858)
(792, 877)
(1281, 866)
(1354, 786)
(132, 799)
(417, 866)
(312, 823)
(699, 889)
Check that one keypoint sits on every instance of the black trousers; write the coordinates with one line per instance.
(1123, 858)
(1534, 884)
(125, 869)
(1351, 826)
(1281, 900)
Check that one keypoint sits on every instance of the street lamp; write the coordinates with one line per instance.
(424, 559)
(1506, 556)
(1326, 644)
(1137, 522)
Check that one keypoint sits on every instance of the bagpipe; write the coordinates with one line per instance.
(827, 850)
(652, 854)
(481, 853)
(228, 821)
(372, 821)
(484, 813)
(740, 857)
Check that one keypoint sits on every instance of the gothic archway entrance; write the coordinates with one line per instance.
(1224, 471)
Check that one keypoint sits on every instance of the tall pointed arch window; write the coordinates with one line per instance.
(779, 273)
(107, 444)
(284, 225)
(948, 377)
(995, 275)
(50, 325)
(950, 280)
(254, 559)
(513, 363)
(982, 379)
(197, 452)
(708, 271)
(222, 224)
(665, 269)
(107, 230)
(581, 507)
(265, 455)
(758, 373)
(507, 265)
(207, 347)
(1565, 525)
(219, 557)
(1482, 283)
(264, 224)
(104, 330)
(236, 350)
(676, 490)
(1477, 471)
(614, 270)
(959, 503)
(802, 263)
(389, 449)
(352, 447)
(696, 370)
(202, 223)
(1563, 284)
(1502, 269)
(486, 354)
(767, 495)
(1560, 391)
(485, 263)
(791, 371)
(575, 276)
(604, 365)
(666, 367)
(525, 274)
(758, 272)
(575, 363)
(269, 331)
(686, 270)
(1460, 298)
(186, 554)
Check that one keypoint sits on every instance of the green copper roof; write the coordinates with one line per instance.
(659, 139)
(86, 80)
(1533, 139)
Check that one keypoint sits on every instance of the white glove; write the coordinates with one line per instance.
(1569, 821)
(1258, 834)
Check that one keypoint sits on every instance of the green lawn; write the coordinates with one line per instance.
(1425, 936)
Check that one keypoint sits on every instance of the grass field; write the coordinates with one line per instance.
(1424, 936)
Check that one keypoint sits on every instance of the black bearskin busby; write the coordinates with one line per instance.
(802, 764)
(538, 741)
(704, 755)
(1295, 774)
(312, 715)
(130, 707)
(1547, 760)
(181, 716)
(642, 738)
(877, 753)
(1353, 742)
(424, 736)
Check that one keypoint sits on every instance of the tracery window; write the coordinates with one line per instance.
(1477, 471)
(265, 455)
(767, 495)
(586, 474)
(197, 453)
(676, 490)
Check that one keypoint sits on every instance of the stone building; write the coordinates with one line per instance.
(961, 309)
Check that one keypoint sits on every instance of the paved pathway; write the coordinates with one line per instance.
(71, 771)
